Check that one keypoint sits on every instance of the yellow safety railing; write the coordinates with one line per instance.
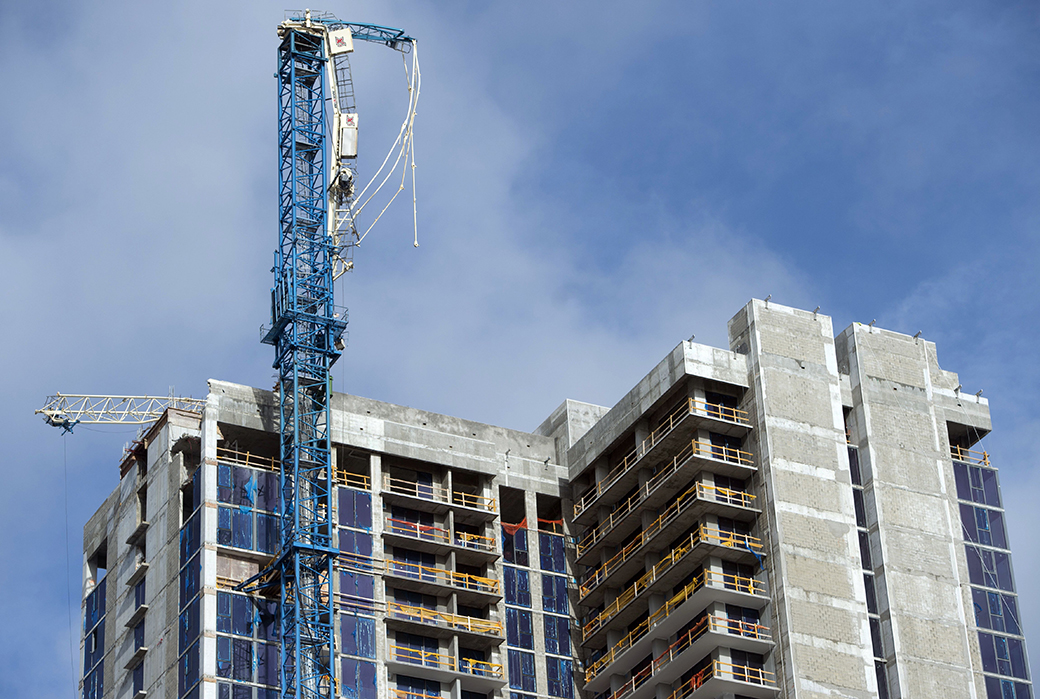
(425, 658)
(707, 578)
(723, 670)
(245, 458)
(443, 619)
(465, 581)
(408, 694)
(444, 662)
(270, 463)
(478, 502)
(429, 491)
(695, 448)
(357, 561)
(358, 481)
(442, 576)
(224, 583)
(712, 623)
(480, 668)
(423, 532)
(359, 603)
(475, 541)
(969, 456)
(704, 534)
(700, 491)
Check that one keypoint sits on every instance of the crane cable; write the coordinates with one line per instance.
(407, 151)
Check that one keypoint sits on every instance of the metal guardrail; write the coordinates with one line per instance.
(710, 623)
(245, 458)
(443, 619)
(270, 463)
(706, 449)
(426, 658)
(969, 456)
(729, 671)
(415, 571)
(437, 493)
(425, 532)
(707, 578)
(699, 492)
(703, 534)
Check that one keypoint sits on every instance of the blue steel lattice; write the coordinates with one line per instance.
(304, 331)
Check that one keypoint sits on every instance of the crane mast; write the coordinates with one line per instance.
(317, 151)
(316, 231)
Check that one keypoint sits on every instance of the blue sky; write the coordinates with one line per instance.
(879, 161)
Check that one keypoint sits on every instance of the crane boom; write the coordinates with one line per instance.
(68, 410)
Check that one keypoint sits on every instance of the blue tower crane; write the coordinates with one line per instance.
(316, 229)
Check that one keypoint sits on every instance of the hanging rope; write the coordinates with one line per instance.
(68, 556)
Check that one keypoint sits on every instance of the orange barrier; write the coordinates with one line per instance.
(417, 531)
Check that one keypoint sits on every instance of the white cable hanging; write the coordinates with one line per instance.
(404, 144)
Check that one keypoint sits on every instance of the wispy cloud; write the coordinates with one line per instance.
(597, 182)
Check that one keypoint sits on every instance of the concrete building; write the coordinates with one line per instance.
(800, 515)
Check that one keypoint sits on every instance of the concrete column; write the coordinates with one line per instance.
(655, 602)
(531, 510)
(375, 469)
(642, 431)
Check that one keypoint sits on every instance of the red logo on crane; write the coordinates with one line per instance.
(340, 41)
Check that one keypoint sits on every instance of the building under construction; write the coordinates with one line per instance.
(799, 515)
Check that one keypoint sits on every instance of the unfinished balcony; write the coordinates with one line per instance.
(435, 581)
(431, 622)
(429, 580)
(469, 546)
(722, 678)
(699, 500)
(475, 675)
(706, 540)
(711, 632)
(437, 499)
(708, 587)
(676, 434)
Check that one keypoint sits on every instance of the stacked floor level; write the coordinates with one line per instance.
(798, 515)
